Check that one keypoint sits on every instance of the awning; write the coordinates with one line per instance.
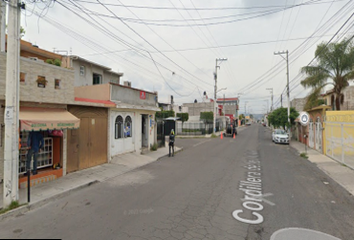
(39, 119)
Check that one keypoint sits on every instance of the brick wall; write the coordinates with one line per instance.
(29, 90)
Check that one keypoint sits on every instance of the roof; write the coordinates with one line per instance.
(75, 57)
(227, 100)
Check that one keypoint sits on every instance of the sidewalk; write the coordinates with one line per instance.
(63, 186)
(343, 175)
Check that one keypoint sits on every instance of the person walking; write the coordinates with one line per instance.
(171, 144)
(35, 142)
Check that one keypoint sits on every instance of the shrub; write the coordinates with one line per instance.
(153, 147)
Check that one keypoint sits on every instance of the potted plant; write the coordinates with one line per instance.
(41, 81)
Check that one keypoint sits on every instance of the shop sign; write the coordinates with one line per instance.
(142, 95)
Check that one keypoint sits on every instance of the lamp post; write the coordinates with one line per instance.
(287, 86)
(215, 88)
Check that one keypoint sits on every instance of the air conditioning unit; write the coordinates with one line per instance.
(33, 58)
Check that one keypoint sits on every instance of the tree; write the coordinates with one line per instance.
(335, 61)
(241, 116)
(207, 117)
(251, 116)
(164, 114)
(184, 117)
(279, 117)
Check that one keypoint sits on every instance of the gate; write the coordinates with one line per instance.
(318, 133)
(160, 133)
(339, 136)
(311, 134)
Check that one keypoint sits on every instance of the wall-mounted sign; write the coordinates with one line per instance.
(142, 95)
(304, 118)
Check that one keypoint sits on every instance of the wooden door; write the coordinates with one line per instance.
(72, 164)
(84, 143)
(98, 141)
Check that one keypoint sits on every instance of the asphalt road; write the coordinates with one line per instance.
(243, 188)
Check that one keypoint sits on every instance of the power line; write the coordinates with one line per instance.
(199, 9)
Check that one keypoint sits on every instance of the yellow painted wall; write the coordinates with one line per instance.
(338, 141)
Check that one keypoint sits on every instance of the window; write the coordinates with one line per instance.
(118, 127)
(41, 82)
(57, 83)
(22, 77)
(82, 70)
(97, 79)
(128, 127)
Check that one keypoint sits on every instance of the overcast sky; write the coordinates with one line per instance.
(171, 46)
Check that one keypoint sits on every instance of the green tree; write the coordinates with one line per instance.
(251, 116)
(164, 114)
(279, 117)
(241, 116)
(335, 61)
(207, 116)
(184, 116)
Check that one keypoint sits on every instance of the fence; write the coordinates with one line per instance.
(339, 136)
(160, 133)
(196, 128)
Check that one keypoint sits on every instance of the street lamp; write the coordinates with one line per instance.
(287, 76)
(215, 89)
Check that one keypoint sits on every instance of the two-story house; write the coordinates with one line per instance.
(129, 118)
(45, 92)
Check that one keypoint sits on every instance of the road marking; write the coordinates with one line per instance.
(197, 144)
(252, 188)
(262, 198)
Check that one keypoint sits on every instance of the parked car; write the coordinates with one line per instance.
(280, 136)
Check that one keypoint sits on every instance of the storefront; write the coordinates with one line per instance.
(52, 124)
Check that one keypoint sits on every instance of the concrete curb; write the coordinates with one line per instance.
(179, 150)
(33, 205)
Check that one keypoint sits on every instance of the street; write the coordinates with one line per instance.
(237, 189)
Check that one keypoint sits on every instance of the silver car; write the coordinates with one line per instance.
(280, 136)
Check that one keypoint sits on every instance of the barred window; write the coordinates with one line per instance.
(128, 127)
(118, 127)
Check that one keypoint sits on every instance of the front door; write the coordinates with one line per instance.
(144, 131)
(98, 141)
(84, 146)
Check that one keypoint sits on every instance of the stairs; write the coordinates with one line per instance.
(36, 181)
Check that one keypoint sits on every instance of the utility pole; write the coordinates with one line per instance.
(12, 105)
(287, 86)
(2, 25)
(271, 92)
(281, 100)
(215, 89)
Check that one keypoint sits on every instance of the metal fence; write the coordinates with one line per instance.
(339, 138)
(160, 133)
(197, 128)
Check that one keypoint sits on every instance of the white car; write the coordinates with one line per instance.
(280, 136)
